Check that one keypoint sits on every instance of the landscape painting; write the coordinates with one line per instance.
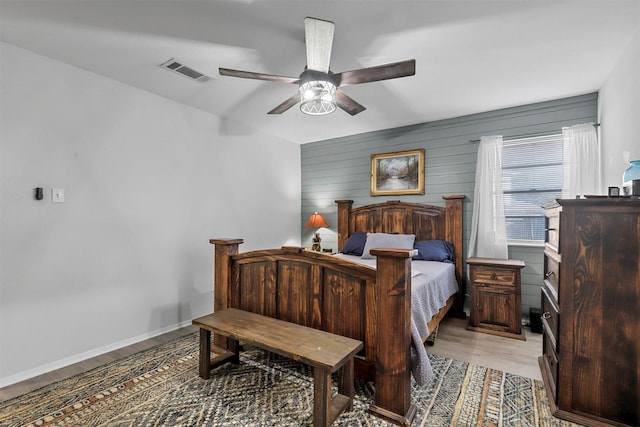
(400, 172)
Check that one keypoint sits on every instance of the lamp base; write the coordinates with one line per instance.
(316, 242)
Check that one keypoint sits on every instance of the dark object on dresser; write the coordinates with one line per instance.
(632, 188)
(590, 302)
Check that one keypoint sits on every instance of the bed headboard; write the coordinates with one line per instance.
(427, 222)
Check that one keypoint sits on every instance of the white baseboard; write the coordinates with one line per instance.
(67, 361)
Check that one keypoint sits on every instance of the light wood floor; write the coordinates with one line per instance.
(454, 341)
(506, 354)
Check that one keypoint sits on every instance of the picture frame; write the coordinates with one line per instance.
(397, 173)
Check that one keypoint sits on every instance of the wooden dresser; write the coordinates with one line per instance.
(591, 307)
(495, 296)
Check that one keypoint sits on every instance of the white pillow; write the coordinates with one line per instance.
(384, 240)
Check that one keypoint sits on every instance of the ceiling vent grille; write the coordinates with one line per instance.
(183, 70)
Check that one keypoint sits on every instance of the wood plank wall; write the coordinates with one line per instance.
(340, 168)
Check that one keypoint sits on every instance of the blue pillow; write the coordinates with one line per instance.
(435, 250)
(355, 244)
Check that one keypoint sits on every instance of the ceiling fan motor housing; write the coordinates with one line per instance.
(317, 92)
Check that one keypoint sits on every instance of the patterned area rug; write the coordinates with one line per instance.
(161, 387)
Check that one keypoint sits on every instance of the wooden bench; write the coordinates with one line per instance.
(325, 352)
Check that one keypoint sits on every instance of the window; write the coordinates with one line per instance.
(531, 175)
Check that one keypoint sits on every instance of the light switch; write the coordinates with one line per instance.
(57, 195)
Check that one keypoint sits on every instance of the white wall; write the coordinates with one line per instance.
(619, 112)
(147, 183)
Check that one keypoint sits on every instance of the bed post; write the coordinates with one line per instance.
(223, 250)
(453, 232)
(344, 210)
(393, 340)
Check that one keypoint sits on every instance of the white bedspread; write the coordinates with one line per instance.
(432, 283)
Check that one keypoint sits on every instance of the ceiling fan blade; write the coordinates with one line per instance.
(348, 104)
(257, 76)
(374, 74)
(286, 105)
(319, 40)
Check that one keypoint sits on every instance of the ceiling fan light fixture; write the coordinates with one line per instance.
(317, 97)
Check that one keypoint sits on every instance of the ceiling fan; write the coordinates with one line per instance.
(318, 88)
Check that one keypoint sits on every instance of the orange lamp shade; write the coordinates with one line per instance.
(316, 220)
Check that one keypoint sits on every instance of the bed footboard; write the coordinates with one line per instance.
(334, 295)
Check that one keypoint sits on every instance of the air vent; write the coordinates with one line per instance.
(183, 70)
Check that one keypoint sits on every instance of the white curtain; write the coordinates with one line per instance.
(581, 161)
(488, 228)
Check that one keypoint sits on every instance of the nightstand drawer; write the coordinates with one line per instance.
(493, 275)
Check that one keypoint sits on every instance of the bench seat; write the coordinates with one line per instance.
(325, 352)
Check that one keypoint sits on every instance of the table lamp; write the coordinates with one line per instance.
(316, 220)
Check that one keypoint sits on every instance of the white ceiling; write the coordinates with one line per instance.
(471, 56)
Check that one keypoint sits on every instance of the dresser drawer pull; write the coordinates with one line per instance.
(546, 315)
(548, 274)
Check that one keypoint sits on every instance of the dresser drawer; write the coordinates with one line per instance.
(493, 275)
(550, 365)
(553, 228)
(552, 270)
(553, 238)
(550, 318)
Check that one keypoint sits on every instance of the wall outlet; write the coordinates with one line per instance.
(57, 195)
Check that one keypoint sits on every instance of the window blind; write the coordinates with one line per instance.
(531, 175)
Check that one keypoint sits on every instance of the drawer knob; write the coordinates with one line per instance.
(493, 276)
(548, 274)
(546, 315)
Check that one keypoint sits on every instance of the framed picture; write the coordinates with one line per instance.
(400, 172)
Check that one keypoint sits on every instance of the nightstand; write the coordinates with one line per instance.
(495, 297)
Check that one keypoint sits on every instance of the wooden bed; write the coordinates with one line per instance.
(322, 291)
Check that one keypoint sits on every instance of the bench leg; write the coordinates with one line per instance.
(321, 398)
(234, 347)
(345, 382)
(204, 366)
(325, 408)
